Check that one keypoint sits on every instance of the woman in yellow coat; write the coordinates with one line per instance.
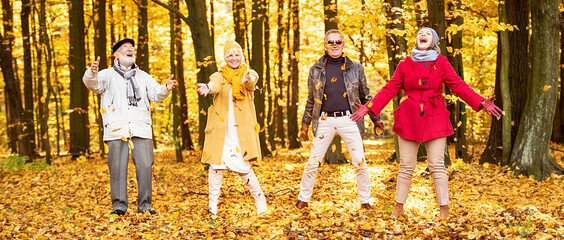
(231, 137)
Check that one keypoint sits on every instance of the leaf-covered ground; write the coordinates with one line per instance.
(71, 200)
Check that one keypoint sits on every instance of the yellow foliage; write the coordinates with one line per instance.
(71, 199)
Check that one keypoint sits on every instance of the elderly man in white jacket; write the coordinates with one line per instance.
(126, 113)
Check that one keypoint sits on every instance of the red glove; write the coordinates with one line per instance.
(360, 113)
(491, 108)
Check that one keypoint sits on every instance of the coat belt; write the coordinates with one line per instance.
(430, 99)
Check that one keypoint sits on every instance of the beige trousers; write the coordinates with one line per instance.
(435, 161)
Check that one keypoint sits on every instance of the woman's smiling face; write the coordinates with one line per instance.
(424, 39)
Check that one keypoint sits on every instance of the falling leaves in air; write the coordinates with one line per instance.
(345, 94)
(333, 79)
(318, 101)
(369, 105)
(102, 110)
(203, 112)
(343, 67)
(546, 87)
(257, 128)
(317, 86)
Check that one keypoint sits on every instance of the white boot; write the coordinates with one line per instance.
(214, 183)
(250, 179)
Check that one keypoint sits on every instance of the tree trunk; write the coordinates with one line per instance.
(419, 17)
(279, 108)
(454, 43)
(257, 63)
(239, 21)
(187, 143)
(79, 130)
(558, 124)
(397, 48)
(268, 81)
(28, 70)
(197, 20)
(293, 104)
(561, 107)
(100, 50)
(531, 151)
(437, 22)
(174, 100)
(48, 57)
(8, 24)
(504, 86)
(39, 79)
(517, 14)
(15, 105)
(112, 27)
(330, 14)
(334, 154)
(142, 44)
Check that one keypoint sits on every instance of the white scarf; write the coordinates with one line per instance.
(132, 87)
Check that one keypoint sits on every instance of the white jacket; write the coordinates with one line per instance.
(121, 120)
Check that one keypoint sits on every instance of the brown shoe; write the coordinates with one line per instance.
(366, 206)
(444, 212)
(301, 204)
(398, 210)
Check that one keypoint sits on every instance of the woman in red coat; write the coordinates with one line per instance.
(422, 116)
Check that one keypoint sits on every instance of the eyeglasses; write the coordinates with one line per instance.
(132, 48)
(338, 42)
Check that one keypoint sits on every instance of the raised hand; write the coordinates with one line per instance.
(203, 89)
(360, 113)
(170, 83)
(94, 65)
(247, 77)
(491, 108)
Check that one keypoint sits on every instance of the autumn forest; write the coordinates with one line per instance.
(504, 174)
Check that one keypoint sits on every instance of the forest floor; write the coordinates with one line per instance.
(71, 200)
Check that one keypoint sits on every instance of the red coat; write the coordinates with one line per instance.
(422, 113)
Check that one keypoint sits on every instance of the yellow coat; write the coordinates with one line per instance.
(245, 117)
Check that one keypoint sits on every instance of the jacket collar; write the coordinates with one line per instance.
(322, 62)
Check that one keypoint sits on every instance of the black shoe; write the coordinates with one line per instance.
(151, 211)
(118, 212)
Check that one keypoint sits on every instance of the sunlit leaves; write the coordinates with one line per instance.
(513, 207)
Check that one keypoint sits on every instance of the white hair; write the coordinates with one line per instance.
(232, 51)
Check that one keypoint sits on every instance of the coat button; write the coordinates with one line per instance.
(422, 114)
(426, 65)
(424, 82)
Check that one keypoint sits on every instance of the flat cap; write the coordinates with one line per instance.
(121, 42)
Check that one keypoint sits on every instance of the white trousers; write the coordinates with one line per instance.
(250, 179)
(327, 128)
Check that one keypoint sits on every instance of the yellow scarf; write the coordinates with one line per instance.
(235, 77)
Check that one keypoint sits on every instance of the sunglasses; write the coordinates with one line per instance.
(338, 42)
